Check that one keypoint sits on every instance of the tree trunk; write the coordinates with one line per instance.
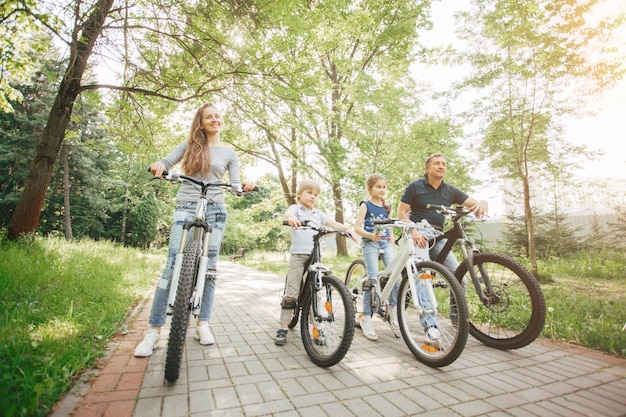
(25, 219)
(530, 227)
(67, 218)
(342, 247)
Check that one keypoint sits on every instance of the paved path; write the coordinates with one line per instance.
(245, 374)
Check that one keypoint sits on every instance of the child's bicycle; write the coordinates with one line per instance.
(429, 296)
(190, 269)
(506, 305)
(325, 305)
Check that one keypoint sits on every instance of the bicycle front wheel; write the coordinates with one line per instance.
(327, 335)
(515, 310)
(182, 307)
(418, 315)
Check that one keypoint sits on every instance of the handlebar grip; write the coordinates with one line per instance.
(435, 207)
(385, 221)
(303, 223)
(165, 173)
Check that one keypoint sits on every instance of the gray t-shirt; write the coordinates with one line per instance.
(302, 239)
(222, 159)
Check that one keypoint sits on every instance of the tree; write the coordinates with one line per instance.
(341, 62)
(25, 218)
(168, 62)
(532, 68)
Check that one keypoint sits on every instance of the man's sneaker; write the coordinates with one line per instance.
(148, 344)
(368, 328)
(204, 335)
(281, 337)
(393, 317)
(433, 336)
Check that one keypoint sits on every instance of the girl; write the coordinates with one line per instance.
(376, 240)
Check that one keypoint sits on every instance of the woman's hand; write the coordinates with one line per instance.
(157, 169)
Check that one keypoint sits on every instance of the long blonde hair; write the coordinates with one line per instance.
(197, 156)
(371, 182)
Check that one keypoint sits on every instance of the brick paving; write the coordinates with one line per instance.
(245, 374)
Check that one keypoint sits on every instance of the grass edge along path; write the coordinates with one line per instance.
(61, 303)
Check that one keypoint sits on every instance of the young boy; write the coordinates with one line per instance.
(301, 247)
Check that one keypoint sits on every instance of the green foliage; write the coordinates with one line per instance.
(20, 132)
(22, 43)
(60, 303)
(554, 237)
(144, 220)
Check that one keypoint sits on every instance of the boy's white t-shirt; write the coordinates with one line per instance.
(302, 239)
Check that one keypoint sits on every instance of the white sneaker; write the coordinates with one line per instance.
(204, 335)
(432, 335)
(148, 344)
(368, 328)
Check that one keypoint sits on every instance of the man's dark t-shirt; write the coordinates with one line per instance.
(419, 193)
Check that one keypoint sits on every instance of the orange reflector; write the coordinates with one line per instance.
(316, 333)
(430, 348)
(427, 276)
(329, 307)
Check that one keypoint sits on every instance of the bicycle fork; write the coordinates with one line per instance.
(201, 270)
(487, 296)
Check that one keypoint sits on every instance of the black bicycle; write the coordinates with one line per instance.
(325, 305)
(507, 309)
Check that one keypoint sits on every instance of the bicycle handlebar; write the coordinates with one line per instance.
(423, 227)
(321, 230)
(176, 177)
(456, 212)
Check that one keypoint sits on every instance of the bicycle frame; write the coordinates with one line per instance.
(405, 259)
(455, 235)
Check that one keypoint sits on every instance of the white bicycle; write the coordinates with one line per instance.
(190, 270)
(428, 294)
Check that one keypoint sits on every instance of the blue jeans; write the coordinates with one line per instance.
(371, 250)
(216, 217)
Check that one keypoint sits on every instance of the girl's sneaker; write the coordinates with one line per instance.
(368, 328)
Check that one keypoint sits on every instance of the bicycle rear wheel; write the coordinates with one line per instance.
(449, 316)
(295, 315)
(515, 313)
(328, 336)
(182, 307)
(354, 277)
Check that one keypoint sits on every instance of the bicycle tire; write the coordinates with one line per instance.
(182, 307)
(517, 317)
(356, 272)
(327, 340)
(453, 330)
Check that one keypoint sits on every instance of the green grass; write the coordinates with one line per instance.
(60, 304)
(585, 295)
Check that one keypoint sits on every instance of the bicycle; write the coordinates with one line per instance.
(507, 308)
(439, 298)
(325, 305)
(190, 270)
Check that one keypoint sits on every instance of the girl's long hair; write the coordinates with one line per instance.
(197, 156)
(371, 181)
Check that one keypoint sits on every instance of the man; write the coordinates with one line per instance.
(431, 189)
